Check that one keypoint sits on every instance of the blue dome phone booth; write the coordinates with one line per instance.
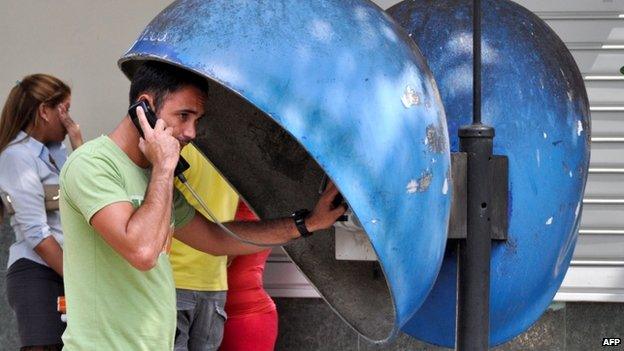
(300, 90)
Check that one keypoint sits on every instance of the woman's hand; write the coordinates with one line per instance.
(73, 129)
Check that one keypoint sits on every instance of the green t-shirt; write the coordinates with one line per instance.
(110, 304)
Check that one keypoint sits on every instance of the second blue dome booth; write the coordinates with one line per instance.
(534, 96)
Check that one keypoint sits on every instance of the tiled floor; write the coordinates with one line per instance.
(308, 324)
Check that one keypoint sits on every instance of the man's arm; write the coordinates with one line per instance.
(139, 236)
(206, 236)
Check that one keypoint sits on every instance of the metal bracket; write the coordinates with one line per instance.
(499, 178)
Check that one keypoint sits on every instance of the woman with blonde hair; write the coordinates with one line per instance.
(34, 122)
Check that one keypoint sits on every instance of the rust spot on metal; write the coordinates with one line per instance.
(435, 140)
(420, 185)
(410, 97)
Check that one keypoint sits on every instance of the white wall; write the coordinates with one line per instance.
(79, 42)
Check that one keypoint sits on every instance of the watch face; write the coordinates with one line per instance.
(299, 217)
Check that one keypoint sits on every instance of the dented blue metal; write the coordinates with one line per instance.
(344, 80)
(534, 96)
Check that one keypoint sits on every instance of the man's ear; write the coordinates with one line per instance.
(150, 100)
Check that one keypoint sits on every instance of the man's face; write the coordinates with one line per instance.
(182, 110)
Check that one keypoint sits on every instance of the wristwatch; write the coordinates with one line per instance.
(299, 216)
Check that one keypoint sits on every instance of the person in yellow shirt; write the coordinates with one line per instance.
(200, 278)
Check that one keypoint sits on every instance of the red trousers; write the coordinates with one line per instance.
(256, 332)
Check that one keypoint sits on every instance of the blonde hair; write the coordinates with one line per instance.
(21, 107)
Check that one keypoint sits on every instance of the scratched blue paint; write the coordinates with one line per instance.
(333, 74)
(534, 96)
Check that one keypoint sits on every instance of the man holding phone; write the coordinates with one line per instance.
(119, 211)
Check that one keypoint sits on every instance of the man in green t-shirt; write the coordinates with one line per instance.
(119, 211)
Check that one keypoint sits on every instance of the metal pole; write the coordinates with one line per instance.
(476, 62)
(473, 280)
(473, 293)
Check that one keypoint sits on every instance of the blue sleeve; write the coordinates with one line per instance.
(20, 180)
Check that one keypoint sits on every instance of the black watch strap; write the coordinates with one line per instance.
(300, 216)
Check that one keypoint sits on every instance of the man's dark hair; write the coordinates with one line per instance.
(160, 79)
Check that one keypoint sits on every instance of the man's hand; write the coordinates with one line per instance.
(73, 129)
(325, 214)
(158, 145)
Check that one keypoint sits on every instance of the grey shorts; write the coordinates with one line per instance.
(201, 316)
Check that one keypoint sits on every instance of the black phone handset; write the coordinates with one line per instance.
(337, 201)
(151, 119)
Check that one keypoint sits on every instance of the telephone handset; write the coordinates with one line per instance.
(151, 119)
